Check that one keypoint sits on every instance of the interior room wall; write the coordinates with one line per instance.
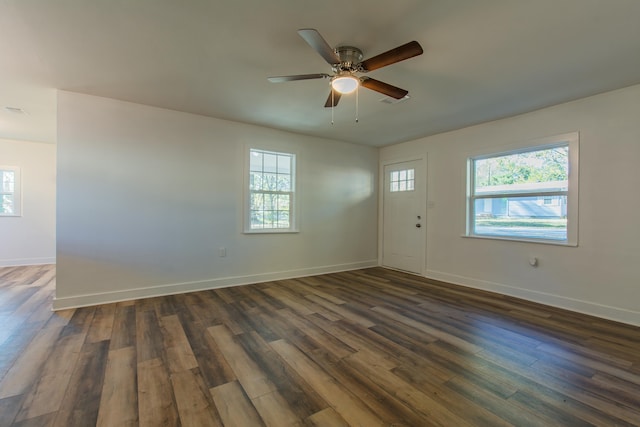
(600, 276)
(31, 238)
(147, 198)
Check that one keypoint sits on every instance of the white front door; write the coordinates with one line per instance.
(404, 222)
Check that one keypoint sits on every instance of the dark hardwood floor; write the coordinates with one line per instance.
(365, 348)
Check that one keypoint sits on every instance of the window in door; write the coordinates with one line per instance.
(402, 180)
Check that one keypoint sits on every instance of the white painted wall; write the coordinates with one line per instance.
(601, 275)
(146, 197)
(31, 238)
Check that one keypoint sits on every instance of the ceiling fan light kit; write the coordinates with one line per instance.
(346, 62)
(345, 83)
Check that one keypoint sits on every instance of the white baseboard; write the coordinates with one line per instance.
(16, 262)
(180, 288)
(599, 310)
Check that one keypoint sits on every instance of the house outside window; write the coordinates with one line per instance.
(529, 193)
(10, 191)
(271, 192)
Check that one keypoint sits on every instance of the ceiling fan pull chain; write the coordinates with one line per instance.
(357, 98)
(332, 105)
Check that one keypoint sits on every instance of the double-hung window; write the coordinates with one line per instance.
(271, 191)
(10, 199)
(529, 193)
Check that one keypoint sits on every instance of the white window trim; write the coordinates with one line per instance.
(17, 193)
(293, 218)
(572, 139)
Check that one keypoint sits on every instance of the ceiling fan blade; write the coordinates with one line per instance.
(280, 79)
(392, 56)
(384, 88)
(318, 43)
(332, 100)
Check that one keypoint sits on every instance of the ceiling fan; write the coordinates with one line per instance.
(346, 62)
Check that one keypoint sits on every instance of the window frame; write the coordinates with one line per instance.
(16, 193)
(293, 198)
(571, 140)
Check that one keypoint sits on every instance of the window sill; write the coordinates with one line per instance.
(270, 231)
(523, 240)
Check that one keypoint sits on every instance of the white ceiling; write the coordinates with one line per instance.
(483, 59)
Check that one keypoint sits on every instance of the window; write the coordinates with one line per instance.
(271, 192)
(526, 194)
(10, 200)
(402, 180)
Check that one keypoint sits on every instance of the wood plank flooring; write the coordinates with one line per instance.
(372, 347)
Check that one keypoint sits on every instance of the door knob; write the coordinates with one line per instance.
(418, 225)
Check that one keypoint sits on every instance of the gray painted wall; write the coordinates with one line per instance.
(147, 196)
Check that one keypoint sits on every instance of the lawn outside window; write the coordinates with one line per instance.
(528, 193)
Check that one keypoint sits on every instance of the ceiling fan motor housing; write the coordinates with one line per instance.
(350, 58)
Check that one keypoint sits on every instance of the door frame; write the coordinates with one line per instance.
(381, 187)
